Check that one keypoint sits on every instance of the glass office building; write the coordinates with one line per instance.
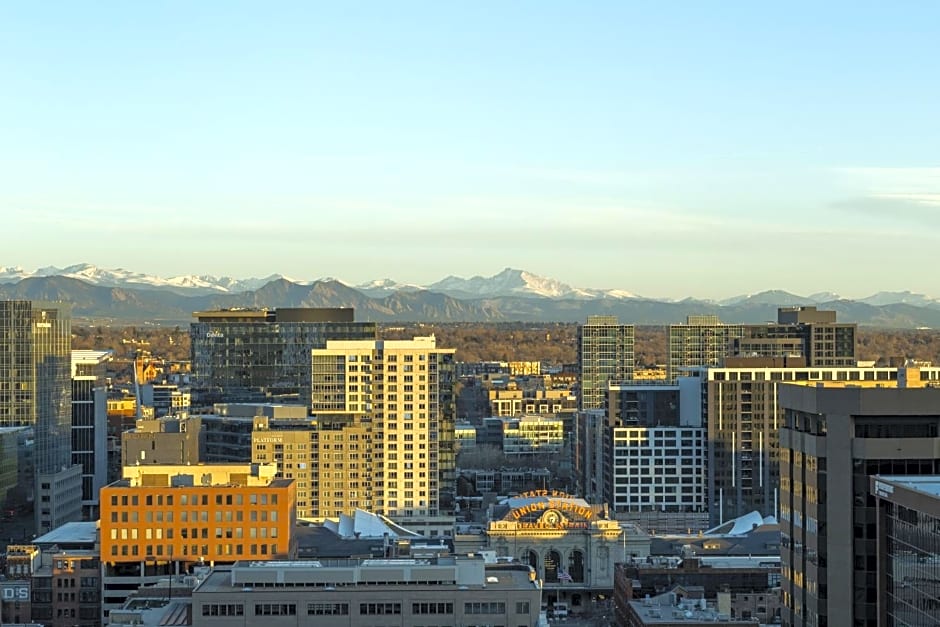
(35, 376)
(263, 355)
(909, 549)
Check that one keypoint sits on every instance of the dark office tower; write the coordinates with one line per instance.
(701, 341)
(832, 442)
(251, 356)
(605, 355)
(90, 424)
(35, 390)
(804, 332)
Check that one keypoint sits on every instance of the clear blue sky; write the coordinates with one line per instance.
(668, 149)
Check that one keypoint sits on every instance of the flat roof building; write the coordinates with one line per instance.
(197, 513)
(354, 593)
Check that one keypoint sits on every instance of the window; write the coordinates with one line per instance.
(432, 608)
(484, 607)
(223, 609)
(379, 608)
(327, 609)
(276, 609)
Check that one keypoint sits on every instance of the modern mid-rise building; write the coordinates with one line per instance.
(243, 355)
(90, 424)
(230, 426)
(165, 520)
(197, 513)
(397, 398)
(524, 436)
(330, 455)
(743, 417)
(702, 341)
(36, 391)
(822, 341)
(605, 355)
(165, 398)
(169, 440)
(803, 332)
(654, 449)
(832, 442)
(293, 444)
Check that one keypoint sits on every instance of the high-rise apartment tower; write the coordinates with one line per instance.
(387, 430)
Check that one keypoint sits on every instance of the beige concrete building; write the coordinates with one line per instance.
(353, 593)
(328, 457)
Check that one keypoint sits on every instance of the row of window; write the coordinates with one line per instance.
(196, 499)
(366, 609)
(159, 550)
(194, 516)
(194, 532)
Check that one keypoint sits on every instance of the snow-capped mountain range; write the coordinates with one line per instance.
(507, 283)
(119, 277)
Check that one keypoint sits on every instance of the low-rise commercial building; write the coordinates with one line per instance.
(166, 520)
(354, 593)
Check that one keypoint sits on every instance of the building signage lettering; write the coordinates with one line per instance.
(216, 334)
(269, 440)
(883, 489)
(562, 506)
(15, 592)
(564, 524)
(553, 493)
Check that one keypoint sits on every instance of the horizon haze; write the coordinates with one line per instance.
(689, 150)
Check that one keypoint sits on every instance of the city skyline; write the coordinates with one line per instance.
(631, 147)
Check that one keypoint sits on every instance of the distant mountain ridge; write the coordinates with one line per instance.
(511, 295)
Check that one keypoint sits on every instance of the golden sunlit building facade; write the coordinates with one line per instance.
(387, 411)
(197, 513)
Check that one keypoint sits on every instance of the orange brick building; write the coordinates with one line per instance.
(201, 513)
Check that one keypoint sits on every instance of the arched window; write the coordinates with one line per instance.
(532, 559)
(576, 566)
(552, 562)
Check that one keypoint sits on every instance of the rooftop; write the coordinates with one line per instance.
(88, 356)
(926, 484)
(671, 608)
(445, 573)
(71, 533)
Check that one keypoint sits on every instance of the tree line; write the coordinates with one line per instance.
(554, 343)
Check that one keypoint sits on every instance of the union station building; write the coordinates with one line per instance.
(572, 544)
